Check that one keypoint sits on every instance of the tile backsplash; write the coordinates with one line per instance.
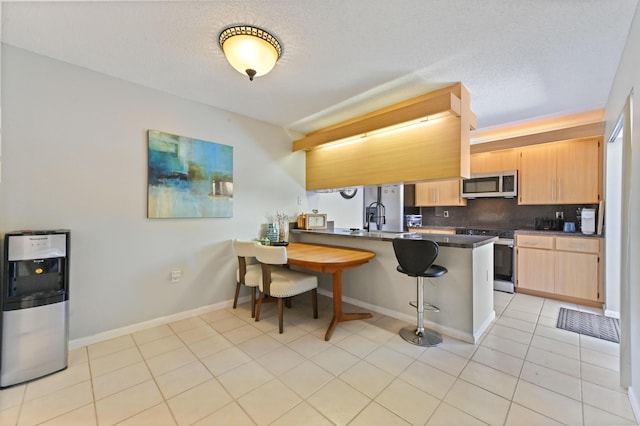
(495, 213)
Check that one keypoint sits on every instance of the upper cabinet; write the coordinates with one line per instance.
(422, 139)
(568, 172)
(560, 173)
(537, 177)
(559, 159)
(443, 193)
(494, 161)
(579, 171)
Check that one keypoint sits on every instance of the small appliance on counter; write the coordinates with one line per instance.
(548, 224)
(313, 220)
(588, 221)
(413, 220)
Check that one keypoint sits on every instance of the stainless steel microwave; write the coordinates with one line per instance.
(498, 184)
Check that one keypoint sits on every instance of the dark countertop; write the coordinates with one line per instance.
(525, 231)
(557, 233)
(445, 240)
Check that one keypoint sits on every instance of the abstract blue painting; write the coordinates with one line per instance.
(188, 177)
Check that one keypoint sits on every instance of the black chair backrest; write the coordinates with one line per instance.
(415, 256)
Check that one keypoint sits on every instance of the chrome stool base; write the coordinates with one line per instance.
(425, 338)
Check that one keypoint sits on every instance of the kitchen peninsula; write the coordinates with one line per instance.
(464, 295)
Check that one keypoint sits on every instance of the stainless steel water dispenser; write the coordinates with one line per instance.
(34, 299)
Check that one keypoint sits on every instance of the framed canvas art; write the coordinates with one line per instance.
(188, 177)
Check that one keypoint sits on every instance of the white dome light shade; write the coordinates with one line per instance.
(250, 50)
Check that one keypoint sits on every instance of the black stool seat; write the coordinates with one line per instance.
(434, 271)
(415, 258)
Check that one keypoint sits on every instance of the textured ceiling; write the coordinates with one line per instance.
(520, 59)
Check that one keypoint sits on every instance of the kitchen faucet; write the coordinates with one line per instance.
(375, 213)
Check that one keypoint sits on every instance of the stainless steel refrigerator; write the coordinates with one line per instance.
(383, 208)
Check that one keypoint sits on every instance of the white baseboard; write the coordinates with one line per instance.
(635, 404)
(484, 327)
(456, 334)
(118, 332)
(611, 314)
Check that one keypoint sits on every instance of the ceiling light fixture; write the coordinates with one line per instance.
(250, 50)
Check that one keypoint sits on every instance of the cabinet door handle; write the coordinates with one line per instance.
(559, 190)
(553, 189)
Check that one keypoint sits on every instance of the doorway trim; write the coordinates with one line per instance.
(625, 215)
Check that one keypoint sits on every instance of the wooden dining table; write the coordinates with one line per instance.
(330, 260)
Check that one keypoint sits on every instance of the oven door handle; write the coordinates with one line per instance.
(504, 242)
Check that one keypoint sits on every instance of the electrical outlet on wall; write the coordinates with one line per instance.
(559, 215)
(446, 213)
(175, 276)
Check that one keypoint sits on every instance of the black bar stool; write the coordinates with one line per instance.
(416, 259)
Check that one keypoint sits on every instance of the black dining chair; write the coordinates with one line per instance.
(415, 258)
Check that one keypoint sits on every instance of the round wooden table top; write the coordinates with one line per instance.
(324, 258)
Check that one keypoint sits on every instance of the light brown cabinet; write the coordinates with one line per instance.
(568, 268)
(494, 161)
(560, 173)
(577, 267)
(360, 151)
(440, 193)
(535, 263)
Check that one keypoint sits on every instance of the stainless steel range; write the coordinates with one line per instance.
(502, 255)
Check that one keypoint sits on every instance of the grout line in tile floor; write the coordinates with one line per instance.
(224, 368)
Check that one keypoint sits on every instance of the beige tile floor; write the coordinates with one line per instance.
(222, 368)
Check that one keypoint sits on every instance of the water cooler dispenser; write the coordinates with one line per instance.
(35, 311)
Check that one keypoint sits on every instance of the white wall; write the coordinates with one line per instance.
(344, 213)
(74, 156)
(628, 79)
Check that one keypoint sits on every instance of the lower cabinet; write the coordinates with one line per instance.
(536, 269)
(566, 267)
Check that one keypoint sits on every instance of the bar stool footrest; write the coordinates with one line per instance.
(427, 306)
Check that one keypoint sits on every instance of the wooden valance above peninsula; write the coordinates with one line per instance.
(423, 139)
